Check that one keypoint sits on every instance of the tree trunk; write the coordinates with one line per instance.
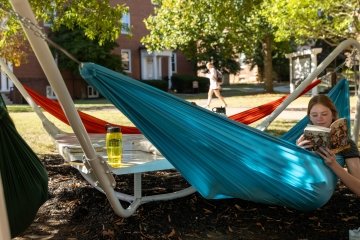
(267, 45)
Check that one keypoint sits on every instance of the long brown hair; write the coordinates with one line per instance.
(325, 101)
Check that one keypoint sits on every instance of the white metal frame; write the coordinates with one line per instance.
(140, 162)
(321, 67)
(100, 173)
(4, 222)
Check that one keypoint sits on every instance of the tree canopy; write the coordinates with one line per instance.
(200, 28)
(224, 28)
(329, 20)
(215, 30)
(83, 49)
(83, 14)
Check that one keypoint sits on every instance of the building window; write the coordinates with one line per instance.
(50, 93)
(173, 63)
(126, 59)
(125, 23)
(242, 61)
(91, 92)
(5, 81)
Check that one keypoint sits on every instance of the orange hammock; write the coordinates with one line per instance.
(92, 124)
(253, 114)
(96, 125)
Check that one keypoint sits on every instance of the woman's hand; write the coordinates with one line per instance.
(327, 155)
(301, 142)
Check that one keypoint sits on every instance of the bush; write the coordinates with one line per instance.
(184, 83)
(160, 84)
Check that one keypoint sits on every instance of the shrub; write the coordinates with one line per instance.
(184, 83)
(160, 84)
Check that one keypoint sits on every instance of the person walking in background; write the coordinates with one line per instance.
(214, 86)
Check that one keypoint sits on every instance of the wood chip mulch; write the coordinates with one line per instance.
(76, 211)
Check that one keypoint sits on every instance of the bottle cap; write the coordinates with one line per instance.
(113, 129)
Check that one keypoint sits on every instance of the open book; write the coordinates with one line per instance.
(335, 138)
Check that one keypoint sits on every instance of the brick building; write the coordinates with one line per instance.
(137, 62)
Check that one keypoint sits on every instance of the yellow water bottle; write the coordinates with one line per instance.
(114, 146)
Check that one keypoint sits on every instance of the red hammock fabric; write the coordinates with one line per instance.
(96, 125)
(252, 115)
(92, 124)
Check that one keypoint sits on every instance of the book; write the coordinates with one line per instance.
(336, 138)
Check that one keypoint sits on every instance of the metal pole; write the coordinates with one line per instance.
(51, 129)
(342, 46)
(4, 222)
(48, 64)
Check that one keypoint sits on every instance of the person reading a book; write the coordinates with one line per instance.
(322, 112)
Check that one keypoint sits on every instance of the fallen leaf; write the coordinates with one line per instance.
(207, 210)
(172, 233)
(260, 225)
(349, 218)
(238, 207)
(109, 233)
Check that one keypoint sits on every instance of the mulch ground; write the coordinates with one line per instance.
(75, 210)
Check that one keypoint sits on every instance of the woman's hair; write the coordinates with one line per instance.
(325, 101)
(209, 64)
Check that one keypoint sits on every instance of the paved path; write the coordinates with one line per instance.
(293, 114)
(290, 114)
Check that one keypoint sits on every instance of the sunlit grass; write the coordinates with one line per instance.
(30, 127)
(280, 127)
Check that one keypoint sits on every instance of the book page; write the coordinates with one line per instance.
(317, 138)
(339, 135)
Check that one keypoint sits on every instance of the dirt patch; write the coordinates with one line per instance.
(75, 210)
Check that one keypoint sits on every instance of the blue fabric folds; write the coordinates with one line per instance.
(219, 157)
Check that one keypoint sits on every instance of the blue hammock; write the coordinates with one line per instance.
(219, 157)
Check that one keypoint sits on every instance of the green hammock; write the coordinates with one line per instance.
(23, 175)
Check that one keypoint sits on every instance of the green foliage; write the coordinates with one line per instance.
(100, 21)
(219, 29)
(199, 29)
(280, 63)
(84, 49)
(183, 83)
(213, 30)
(329, 20)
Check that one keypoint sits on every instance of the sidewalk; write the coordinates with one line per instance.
(293, 114)
(288, 114)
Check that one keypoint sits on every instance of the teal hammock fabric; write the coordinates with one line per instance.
(24, 178)
(219, 157)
